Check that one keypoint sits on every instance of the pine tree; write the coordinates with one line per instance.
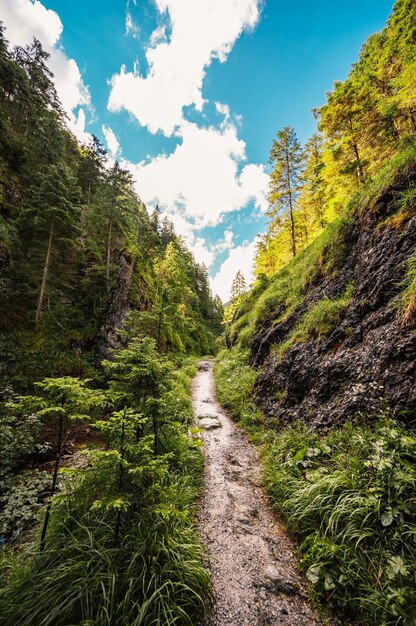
(116, 205)
(239, 286)
(52, 218)
(340, 122)
(312, 198)
(62, 400)
(285, 156)
(91, 167)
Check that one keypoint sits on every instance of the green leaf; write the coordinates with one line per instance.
(387, 518)
(329, 583)
(313, 574)
(396, 566)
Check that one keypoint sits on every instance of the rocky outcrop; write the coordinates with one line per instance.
(118, 309)
(368, 362)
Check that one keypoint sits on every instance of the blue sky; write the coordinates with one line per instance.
(188, 94)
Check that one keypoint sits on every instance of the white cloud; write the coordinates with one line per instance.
(201, 179)
(240, 258)
(226, 243)
(131, 28)
(200, 32)
(255, 184)
(203, 251)
(24, 20)
(111, 140)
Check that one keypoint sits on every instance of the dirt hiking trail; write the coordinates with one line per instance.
(251, 559)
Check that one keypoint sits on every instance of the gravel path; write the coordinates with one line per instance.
(250, 557)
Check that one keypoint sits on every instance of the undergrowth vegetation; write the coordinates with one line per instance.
(234, 380)
(319, 320)
(120, 545)
(349, 497)
(286, 289)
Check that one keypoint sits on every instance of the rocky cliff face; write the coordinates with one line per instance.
(118, 309)
(369, 360)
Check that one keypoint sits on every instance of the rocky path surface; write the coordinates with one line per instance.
(251, 559)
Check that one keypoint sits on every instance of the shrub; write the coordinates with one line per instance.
(122, 546)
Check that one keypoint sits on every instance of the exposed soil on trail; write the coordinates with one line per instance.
(251, 559)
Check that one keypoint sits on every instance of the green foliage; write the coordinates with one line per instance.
(234, 381)
(76, 241)
(287, 288)
(324, 256)
(121, 545)
(18, 440)
(154, 576)
(350, 496)
(238, 286)
(21, 504)
(320, 319)
(137, 372)
(286, 158)
(399, 166)
(78, 248)
(368, 124)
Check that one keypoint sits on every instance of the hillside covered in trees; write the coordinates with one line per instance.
(87, 274)
(365, 122)
(78, 249)
(321, 351)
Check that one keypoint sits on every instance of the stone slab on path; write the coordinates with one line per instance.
(209, 423)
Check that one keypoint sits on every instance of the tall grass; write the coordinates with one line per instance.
(320, 319)
(287, 288)
(351, 498)
(234, 380)
(154, 577)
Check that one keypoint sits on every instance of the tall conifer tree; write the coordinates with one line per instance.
(286, 157)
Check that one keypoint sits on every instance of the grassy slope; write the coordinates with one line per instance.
(323, 257)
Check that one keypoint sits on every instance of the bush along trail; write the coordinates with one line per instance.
(251, 559)
(118, 543)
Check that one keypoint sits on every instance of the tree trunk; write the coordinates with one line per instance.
(54, 479)
(155, 434)
(360, 172)
(45, 275)
(120, 480)
(292, 217)
(108, 254)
